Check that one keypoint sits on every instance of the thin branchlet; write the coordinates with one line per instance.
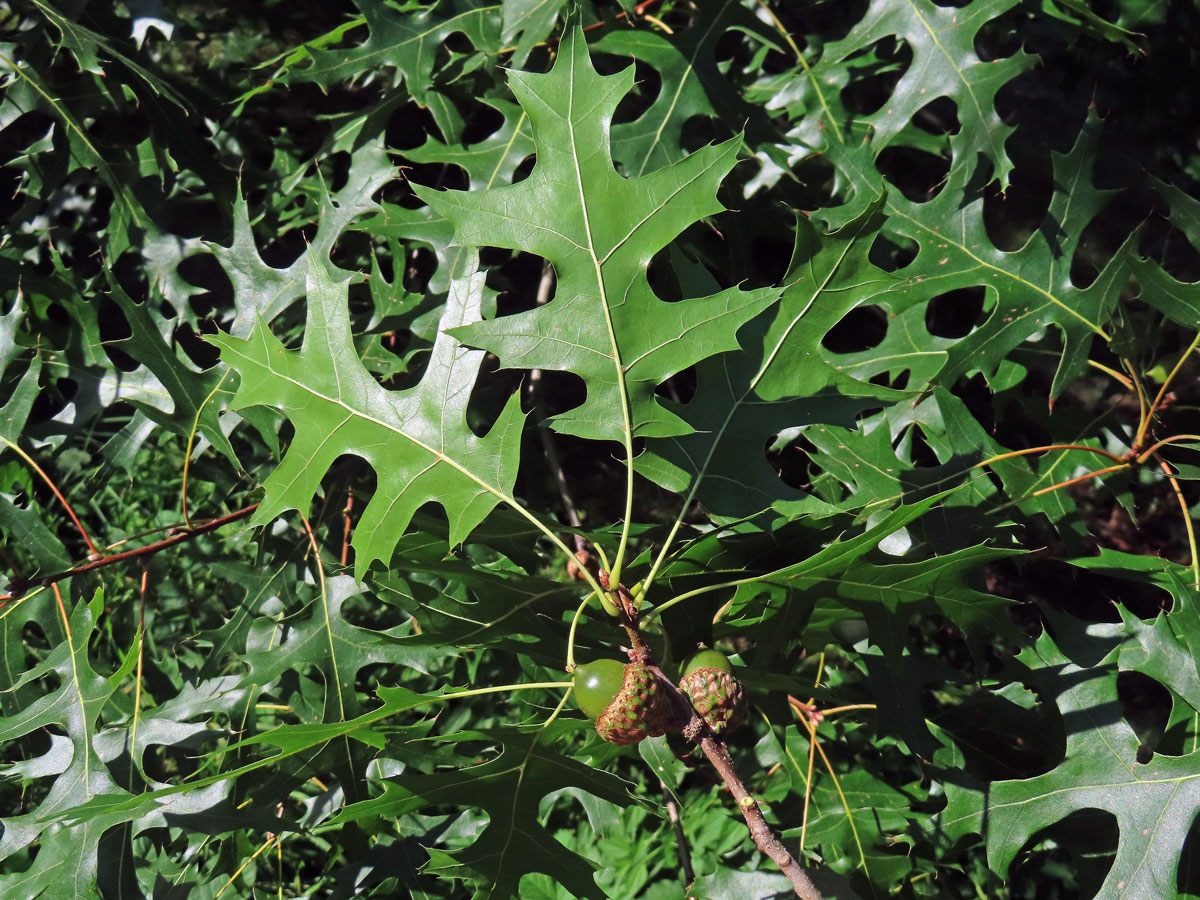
(695, 729)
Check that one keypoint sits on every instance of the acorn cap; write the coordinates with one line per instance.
(717, 697)
(640, 709)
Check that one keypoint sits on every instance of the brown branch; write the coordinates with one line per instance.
(349, 527)
(1081, 478)
(713, 745)
(764, 838)
(640, 651)
(19, 586)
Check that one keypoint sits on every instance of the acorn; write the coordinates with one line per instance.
(626, 700)
(716, 695)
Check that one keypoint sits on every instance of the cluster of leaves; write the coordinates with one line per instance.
(858, 335)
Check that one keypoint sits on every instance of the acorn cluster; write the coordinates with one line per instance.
(629, 703)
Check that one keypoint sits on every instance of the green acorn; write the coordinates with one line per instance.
(627, 701)
(714, 692)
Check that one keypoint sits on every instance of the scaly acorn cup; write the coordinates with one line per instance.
(714, 692)
(627, 701)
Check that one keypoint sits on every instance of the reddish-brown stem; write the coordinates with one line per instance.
(764, 838)
(640, 651)
(348, 528)
(138, 535)
(714, 748)
(1150, 451)
(74, 518)
(1144, 426)
(29, 460)
(1080, 478)
(1015, 453)
(825, 713)
(18, 586)
(809, 709)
